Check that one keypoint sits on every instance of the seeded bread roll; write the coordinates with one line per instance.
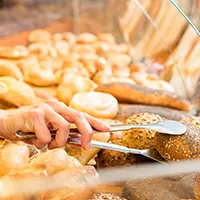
(140, 138)
(166, 188)
(109, 158)
(132, 93)
(127, 110)
(180, 147)
(106, 196)
(197, 186)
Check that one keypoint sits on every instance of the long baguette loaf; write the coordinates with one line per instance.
(131, 93)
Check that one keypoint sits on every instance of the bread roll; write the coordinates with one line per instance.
(159, 188)
(109, 158)
(86, 38)
(54, 160)
(39, 35)
(62, 47)
(140, 138)
(181, 147)
(102, 65)
(74, 184)
(118, 59)
(13, 156)
(101, 196)
(106, 37)
(73, 84)
(15, 52)
(67, 36)
(84, 156)
(16, 92)
(83, 48)
(197, 186)
(96, 104)
(132, 93)
(38, 76)
(10, 69)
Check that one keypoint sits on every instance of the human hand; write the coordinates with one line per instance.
(52, 115)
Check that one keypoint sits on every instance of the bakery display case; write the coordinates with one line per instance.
(124, 62)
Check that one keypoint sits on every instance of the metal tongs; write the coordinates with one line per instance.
(166, 127)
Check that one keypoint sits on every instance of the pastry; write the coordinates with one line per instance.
(140, 138)
(182, 147)
(16, 92)
(132, 93)
(15, 52)
(39, 35)
(13, 156)
(10, 69)
(37, 76)
(96, 104)
(86, 38)
(73, 84)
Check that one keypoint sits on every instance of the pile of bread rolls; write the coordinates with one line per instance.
(92, 74)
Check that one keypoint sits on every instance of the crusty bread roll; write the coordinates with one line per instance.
(39, 77)
(83, 48)
(62, 47)
(84, 156)
(39, 35)
(140, 138)
(67, 36)
(16, 92)
(197, 186)
(180, 147)
(109, 158)
(73, 84)
(10, 69)
(87, 38)
(118, 59)
(132, 93)
(54, 160)
(15, 52)
(13, 156)
(106, 37)
(96, 104)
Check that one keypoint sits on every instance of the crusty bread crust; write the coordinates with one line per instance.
(131, 93)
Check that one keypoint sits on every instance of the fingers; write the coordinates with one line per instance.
(97, 123)
(58, 123)
(82, 121)
(36, 118)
